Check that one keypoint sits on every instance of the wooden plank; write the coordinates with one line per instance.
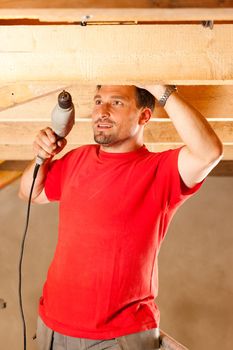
(196, 55)
(161, 131)
(16, 138)
(224, 168)
(7, 177)
(114, 3)
(16, 94)
(35, 101)
(71, 15)
(14, 165)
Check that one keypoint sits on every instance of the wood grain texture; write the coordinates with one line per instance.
(15, 94)
(35, 101)
(6, 177)
(71, 15)
(155, 132)
(20, 123)
(98, 54)
(17, 138)
(114, 3)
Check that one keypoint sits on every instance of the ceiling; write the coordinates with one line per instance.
(49, 46)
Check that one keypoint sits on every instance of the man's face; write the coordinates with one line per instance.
(115, 116)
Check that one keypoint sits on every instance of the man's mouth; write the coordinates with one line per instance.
(104, 126)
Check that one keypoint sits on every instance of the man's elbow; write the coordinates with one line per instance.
(216, 153)
(218, 150)
(22, 195)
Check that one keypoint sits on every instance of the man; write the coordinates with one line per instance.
(116, 202)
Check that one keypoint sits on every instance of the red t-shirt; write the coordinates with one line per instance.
(114, 212)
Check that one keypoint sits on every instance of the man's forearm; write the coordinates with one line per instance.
(190, 124)
(27, 178)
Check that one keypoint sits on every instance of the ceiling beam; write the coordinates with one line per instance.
(181, 54)
(20, 93)
(90, 15)
(7, 177)
(35, 101)
(26, 108)
(17, 138)
(114, 3)
(159, 131)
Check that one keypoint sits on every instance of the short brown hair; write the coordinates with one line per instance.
(143, 98)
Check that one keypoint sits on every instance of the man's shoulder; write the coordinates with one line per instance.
(161, 155)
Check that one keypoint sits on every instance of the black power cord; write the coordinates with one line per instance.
(37, 166)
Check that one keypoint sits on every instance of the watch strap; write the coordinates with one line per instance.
(169, 90)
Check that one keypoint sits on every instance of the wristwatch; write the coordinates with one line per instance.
(169, 90)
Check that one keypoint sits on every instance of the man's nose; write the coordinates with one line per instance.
(104, 110)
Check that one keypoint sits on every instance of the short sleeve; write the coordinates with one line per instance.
(175, 190)
(53, 180)
(60, 170)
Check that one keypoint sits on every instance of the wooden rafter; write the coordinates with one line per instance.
(17, 138)
(196, 55)
(20, 101)
(38, 61)
(90, 15)
(31, 108)
(7, 176)
(115, 3)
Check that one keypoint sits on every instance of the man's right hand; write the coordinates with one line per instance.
(46, 145)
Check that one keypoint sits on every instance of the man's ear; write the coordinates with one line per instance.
(145, 116)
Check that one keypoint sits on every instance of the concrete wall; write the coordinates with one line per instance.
(195, 267)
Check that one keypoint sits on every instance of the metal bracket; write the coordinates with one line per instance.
(208, 24)
(84, 19)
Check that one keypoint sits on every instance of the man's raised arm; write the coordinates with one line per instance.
(203, 149)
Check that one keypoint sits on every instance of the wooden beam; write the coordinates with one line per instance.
(224, 168)
(160, 131)
(16, 94)
(20, 123)
(181, 54)
(35, 101)
(114, 3)
(16, 138)
(90, 15)
(14, 165)
(7, 177)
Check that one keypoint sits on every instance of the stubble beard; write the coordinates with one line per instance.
(103, 139)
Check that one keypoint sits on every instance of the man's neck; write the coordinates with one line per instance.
(122, 147)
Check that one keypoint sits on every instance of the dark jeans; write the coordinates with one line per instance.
(47, 339)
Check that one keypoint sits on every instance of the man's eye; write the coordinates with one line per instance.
(117, 103)
(97, 102)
